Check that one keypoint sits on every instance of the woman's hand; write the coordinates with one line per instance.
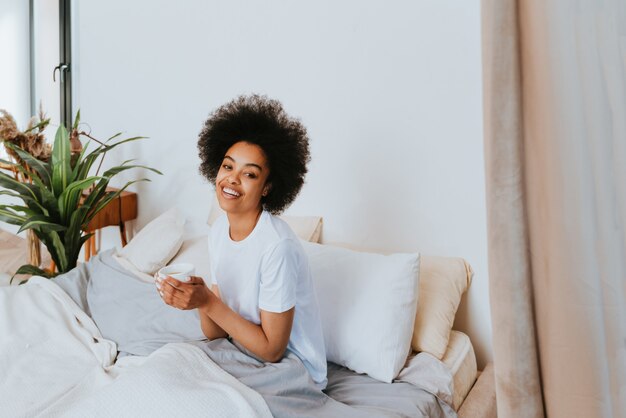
(183, 295)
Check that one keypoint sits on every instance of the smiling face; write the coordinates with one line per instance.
(241, 181)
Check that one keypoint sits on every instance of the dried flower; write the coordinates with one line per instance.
(32, 140)
(8, 127)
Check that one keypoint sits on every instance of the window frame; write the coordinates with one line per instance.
(64, 66)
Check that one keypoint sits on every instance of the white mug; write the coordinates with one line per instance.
(179, 271)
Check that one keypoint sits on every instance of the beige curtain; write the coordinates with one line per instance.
(555, 149)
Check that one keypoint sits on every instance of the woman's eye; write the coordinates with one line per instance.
(226, 166)
(251, 175)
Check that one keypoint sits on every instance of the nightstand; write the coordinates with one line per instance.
(116, 213)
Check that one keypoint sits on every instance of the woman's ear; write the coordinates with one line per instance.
(267, 189)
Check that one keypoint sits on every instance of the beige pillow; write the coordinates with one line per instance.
(195, 251)
(308, 228)
(157, 242)
(443, 280)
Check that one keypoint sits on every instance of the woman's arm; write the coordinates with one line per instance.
(189, 295)
(268, 341)
(210, 329)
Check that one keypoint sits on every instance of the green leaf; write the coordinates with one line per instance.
(108, 148)
(61, 156)
(32, 270)
(68, 201)
(38, 198)
(99, 204)
(86, 237)
(108, 198)
(42, 124)
(18, 208)
(74, 231)
(80, 169)
(10, 183)
(45, 200)
(10, 193)
(128, 161)
(116, 170)
(103, 149)
(41, 168)
(36, 190)
(41, 201)
(10, 217)
(96, 194)
(46, 239)
(76, 120)
(113, 137)
(84, 163)
(5, 162)
(59, 248)
(42, 223)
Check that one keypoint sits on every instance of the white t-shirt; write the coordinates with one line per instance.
(269, 270)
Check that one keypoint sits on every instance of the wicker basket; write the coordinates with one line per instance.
(34, 248)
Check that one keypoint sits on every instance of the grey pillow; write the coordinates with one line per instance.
(127, 310)
(75, 283)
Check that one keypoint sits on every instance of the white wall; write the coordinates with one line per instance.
(390, 92)
(14, 71)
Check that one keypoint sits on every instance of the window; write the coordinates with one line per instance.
(14, 79)
(41, 47)
(51, 81)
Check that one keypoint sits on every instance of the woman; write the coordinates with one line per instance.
(262, 294)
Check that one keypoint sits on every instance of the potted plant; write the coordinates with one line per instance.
(59, 196)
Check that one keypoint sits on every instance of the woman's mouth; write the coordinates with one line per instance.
(230, 193)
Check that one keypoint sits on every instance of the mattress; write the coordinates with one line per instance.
(461, 360)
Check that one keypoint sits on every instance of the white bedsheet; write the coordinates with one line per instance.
(54, 362)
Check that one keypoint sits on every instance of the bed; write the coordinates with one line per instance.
(66, 363)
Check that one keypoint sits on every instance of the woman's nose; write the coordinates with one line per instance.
(233, 179)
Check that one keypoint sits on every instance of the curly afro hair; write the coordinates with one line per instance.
(261, 121)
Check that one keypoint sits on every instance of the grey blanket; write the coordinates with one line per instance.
(126, 309)
(129, 312)
(289, 391)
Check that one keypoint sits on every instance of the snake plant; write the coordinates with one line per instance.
(60, 198)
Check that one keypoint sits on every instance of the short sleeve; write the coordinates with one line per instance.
(213, 246)
(211, 261)
(279, 277)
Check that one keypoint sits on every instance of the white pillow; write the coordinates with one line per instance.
(367, 305)
(156, 243)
